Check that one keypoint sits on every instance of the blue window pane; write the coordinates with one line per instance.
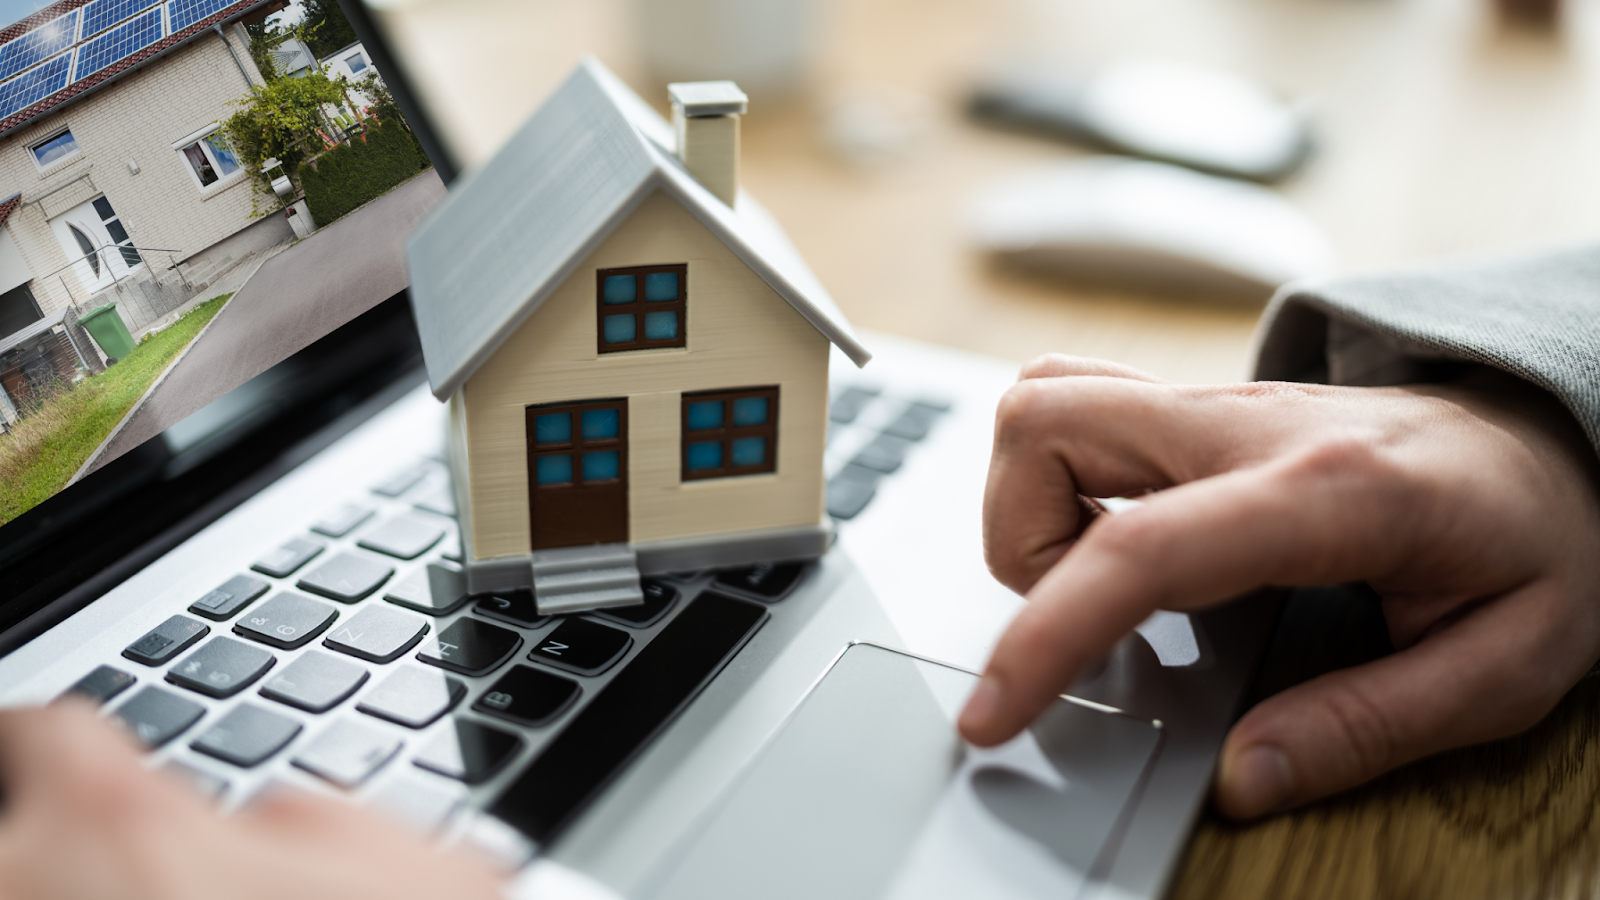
(620, 329)
(750, 451)
(705, 414)
(704, 455)
(554, 428)
(600, 466)
(599, 424)
(621, 288)
(750, 411)
(661, 286)
(554, 469)
(661, 326)
(58, 147)
(227, 163)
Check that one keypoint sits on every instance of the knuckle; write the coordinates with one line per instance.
(1047, 365)
(1021, 407)
(1363, 727)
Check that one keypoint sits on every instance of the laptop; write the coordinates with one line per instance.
(256, 568)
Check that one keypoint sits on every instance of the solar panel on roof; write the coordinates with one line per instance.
(183, 13)
(118, 43)
(29, 88)
(38, 45)
(102, 14)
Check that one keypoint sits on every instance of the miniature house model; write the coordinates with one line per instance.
(635, 357)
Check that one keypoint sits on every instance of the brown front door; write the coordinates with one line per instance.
(578, 473)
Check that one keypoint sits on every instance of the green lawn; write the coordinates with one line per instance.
(52, 442)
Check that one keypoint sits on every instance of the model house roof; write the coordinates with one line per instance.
(511, 232)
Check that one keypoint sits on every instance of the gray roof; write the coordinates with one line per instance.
(513, 230)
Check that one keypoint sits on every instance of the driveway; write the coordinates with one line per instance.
(295, 298)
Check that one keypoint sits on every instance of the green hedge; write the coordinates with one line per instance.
(353, 173)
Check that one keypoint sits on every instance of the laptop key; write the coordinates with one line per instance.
(424, 807)
(346, 577)
(282, 562)
(347, 752)
(512, 607)
(765, 581)
(235, 594)
(470, 751)
(434, 589)
(658, 598)
(166, 640)
(156, 716)
(450, 548)
(287, 621)
(404, 537)
(885, 453)
(847, 497)
(848, 405)
(441, 501)
(221, 667)
(247, 736)
(378, 634)
(914, 423)
(581, 646)
(316, 682)
(528, 696)
(413, 696)
(339, 522)
(470, 646)
(401, 481)
(100, 685)
(209, 785)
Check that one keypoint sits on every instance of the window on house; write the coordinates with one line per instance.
(642, 307)
(211, 158)
(730, 433)
(119, 233)
(356, 62)
(578, 444)
(55, 149)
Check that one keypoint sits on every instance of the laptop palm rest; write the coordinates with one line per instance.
(867, 791)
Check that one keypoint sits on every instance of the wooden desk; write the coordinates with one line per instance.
(1441, 133)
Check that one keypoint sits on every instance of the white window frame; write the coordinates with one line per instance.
(223, 181)
(49, 167)
(366, 62)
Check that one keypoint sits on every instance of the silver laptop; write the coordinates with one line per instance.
(259, 574)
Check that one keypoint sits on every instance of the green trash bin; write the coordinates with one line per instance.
(106, 327)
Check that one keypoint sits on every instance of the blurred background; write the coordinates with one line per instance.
(1410, 130)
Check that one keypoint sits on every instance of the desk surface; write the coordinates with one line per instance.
(1441, 132)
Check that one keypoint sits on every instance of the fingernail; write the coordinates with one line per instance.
(982, 707)
(1257, 782)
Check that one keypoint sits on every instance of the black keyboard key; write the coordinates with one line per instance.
(914, 423)
(413, 696)
(528, 696)
(435, 589)
(166, 640)
(513, 607)
(848, 405)
(627, 713)
(346, 577)
(247, 736)
(156, 716)
(401, 481)
(884, 454)
(235, 594)
(658, 598)
(469, 752)
(847, 497)
(209, 785)
(282, 562)
(764, 581)
(316, 682)
(287, 621)
(100, 685)
(582, 646)
(339, 522)
(221, 667)
(347, 752)
(441, 501)
(404, 537)
(470, 646)
(378, 634)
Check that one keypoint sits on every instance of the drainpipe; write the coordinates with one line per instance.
(217, 27)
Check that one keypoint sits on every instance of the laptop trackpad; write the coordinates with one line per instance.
(868, 792)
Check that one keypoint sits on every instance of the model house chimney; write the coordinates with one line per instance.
(705, 115)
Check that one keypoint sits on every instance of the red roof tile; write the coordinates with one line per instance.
(8, 206)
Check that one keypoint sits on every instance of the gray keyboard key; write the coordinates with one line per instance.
(155, 716)
(282, 562)
(166, 640)
(401, 481)
(247, 736)
(405, 537)
(221, 667)
(441, 501)
(316, 682)
(347, 752)
(914, 423)
(435, 589)
(847, 497)
(377, 633)
(346, 577)
(100, 685)
(339, 522)
(209, 785)
(885, 454)
(235, 594)
(848, 405)
(413, 696)
(286, 621)
(424, 807)
(468, 751)
(471, 647)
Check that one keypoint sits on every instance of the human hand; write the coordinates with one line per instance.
(82, 818)
(1472, 508)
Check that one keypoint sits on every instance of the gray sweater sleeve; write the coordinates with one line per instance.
(1536, 317)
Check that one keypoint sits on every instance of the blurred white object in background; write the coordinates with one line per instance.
(1147, 225)
(764, 45)
(873, 126)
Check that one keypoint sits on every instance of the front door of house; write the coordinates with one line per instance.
(578, 473)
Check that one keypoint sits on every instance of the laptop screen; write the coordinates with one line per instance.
(203, 208)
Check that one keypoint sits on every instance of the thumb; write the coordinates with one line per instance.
(1060, 365)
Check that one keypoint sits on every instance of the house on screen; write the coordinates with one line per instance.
(635, 356)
